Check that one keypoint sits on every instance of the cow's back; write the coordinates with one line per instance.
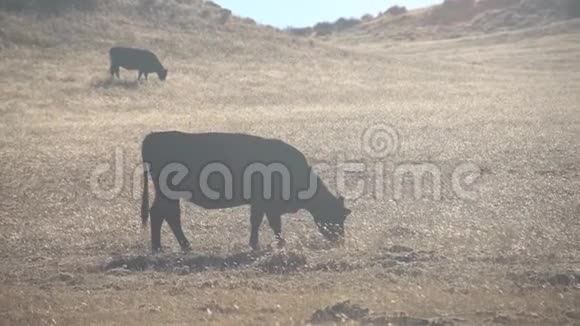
(135, 59)
(236, 152)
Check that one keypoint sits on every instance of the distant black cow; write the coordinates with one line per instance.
(219, 170)
(136, 59)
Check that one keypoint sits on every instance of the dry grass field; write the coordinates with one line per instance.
(505, 103)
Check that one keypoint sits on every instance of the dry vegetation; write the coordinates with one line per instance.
(507, 102)
(452, 19)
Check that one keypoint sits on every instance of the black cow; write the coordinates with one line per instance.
(136, 59)
(267, 174)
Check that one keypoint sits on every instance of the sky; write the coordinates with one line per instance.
(300, 13)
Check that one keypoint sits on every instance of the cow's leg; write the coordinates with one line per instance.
(114, 71)
(257, 215)
(140, 74)
(173, 218)
(117, 70)
(146, 76)
(275, 221)
(157, 213)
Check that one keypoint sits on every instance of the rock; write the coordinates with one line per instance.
(345, 312)
(408, 321)
(575, 315)
(214, 307)
(65, 277)
(564, 280)
(559, 279)
(150, 308)
(209, 284)
(501, 319)
(340, 312)
(400, 249)
(403, 320)
(334, 266)
(119, 272)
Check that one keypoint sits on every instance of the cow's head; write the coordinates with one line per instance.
(331, 220)
(162, 74)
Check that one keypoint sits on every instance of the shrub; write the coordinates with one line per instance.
(48, 6)
(212, 4)
(396, 11)
(249, 21)
(324, 28)
(225, 15)
(205, 14)
(453, 11)
(345, 23)
(367, 17)
(300, 31)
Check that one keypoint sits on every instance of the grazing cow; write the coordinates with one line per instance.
(220, 170)
(136, 59)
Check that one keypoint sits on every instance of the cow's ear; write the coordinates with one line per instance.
(347, 212)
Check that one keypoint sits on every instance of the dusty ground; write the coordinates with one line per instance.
(506, 104)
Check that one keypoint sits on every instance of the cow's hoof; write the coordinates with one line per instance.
(255, 246)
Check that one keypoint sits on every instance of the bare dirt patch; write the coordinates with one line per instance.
(181, 264)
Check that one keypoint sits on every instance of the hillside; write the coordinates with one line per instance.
(189, 28)
(451, 19)
(488, 237)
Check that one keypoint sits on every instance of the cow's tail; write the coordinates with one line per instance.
(111, 61)
(145, 196)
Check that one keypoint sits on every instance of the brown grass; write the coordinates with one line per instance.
(506, 102)
(461, 18)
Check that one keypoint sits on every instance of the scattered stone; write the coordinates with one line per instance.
(401, 254)
(501, 319)
(400, 231)
(209, 284)
(150, 308)
(134, 263)
(215, 308)
(402, 321)
(404, 261)
(334, 266)
(345, 312)
(542, 279)
(402, 270)
(340, 312)
(564, 280)
(119, 272)
(113, 286)
(389, 263)
(399, 249)
(65, 277)
(575, 315)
